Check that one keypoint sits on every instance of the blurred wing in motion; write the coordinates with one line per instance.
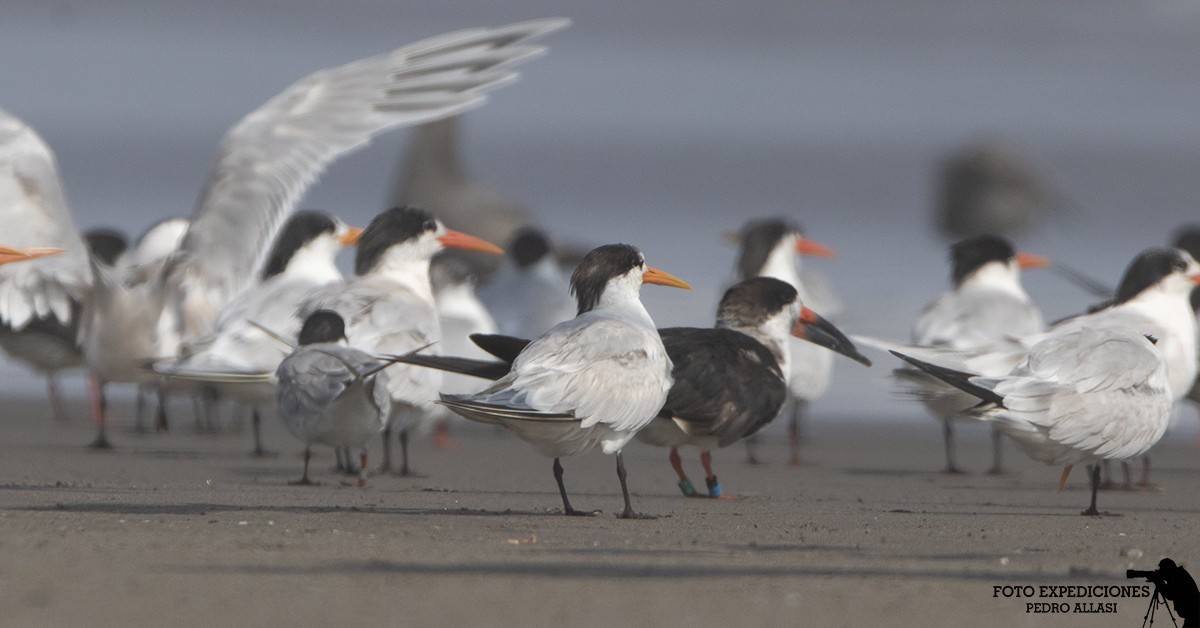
(267, 161)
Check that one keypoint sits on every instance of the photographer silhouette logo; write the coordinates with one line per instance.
(1172, 583)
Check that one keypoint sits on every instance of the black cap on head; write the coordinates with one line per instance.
(303, 227)
(968, 256)
(1187, 238)
(389, 228)
(759, 238)
(1149, 268)
(596, 269)
(528, 247)
(106, 245)
(322, 326)
(749, 303)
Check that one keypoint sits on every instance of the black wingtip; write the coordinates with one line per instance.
(957, 379)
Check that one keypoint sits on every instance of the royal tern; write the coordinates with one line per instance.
(1083, 395)
(771, 248)
(389, 308)
(986, 306)
(265, 164)
(1155, 295)
(330, 393)
(593, 380)
(247, 337)
(1152, 299)
(529, 294)
(460, 314)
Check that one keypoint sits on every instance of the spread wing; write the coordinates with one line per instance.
(268, 159)
(34, 212)
(726, 383)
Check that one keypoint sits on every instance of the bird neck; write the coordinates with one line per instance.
(1000, 276)
(315, 261)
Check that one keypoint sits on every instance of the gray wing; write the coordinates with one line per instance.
(34, 212)
(314, 376)
(1102, 391)
(384, 317)
(596, 368)
(268, 160)
(976, 318)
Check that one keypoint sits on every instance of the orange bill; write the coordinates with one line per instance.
(350, 238)
(1029, 261)
(459, 240)
(805, 246)
(661, 278)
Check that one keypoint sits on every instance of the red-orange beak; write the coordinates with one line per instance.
(805, 246)
(350, 238)
(1195, 278)
(661, 278)
(1029, 261)
(459, 240)
(815, 329)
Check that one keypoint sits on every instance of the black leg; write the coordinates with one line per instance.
(948, 436)
(256, 426)
(405, 471)
(160, 416)
(1094, 470)
(386, 466)
(139, 415)
(798, 408)
(628, 513)
(997, 452)
(562, 490)
(752, 450)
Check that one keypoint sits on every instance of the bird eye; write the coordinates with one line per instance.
(429, 225)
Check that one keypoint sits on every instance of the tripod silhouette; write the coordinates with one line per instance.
(1155, 601)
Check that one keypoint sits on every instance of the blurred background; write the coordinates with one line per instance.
(663, 124)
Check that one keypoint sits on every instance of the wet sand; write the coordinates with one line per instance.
(187, 529)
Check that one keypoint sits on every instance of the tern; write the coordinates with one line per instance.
(389, 308)
(987, 305)
(330, 393)
(1083, 395)
(596, 379)
(247, 337)
(265, 164)
(771, 248)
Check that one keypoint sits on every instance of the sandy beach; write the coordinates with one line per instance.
(187, 529)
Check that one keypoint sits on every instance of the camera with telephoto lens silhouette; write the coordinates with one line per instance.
(1155, 576)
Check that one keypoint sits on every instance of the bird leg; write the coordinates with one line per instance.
(362, 467)
(685, 484)
(99, 414)
(1144, 483)
(56, 402)
(1062, 481)
(562, 490)
(139, 420)
(710, 478)
(1094, 471)
(304, 481)
(752, 450)
(948, 436)
(386, 466)
(160, 416)
(1106, 481)
(256, 427)
(997, 452)
(794, 438)
(441, 435)
(628, 513)
(405, 471)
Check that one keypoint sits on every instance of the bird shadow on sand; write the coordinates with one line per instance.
(590, 570)
(200, 509)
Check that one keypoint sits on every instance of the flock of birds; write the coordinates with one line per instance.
(244, 302)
